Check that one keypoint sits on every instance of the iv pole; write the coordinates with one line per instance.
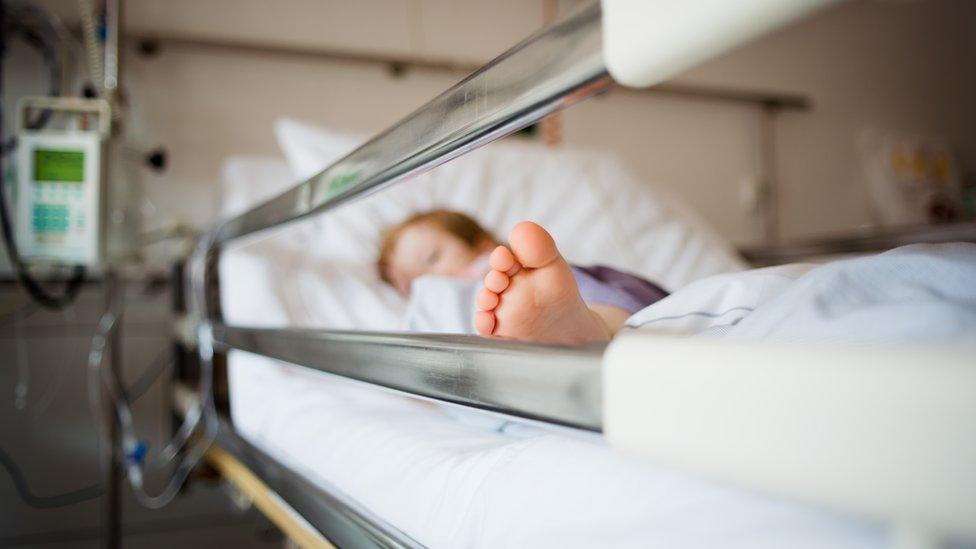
(113, 286)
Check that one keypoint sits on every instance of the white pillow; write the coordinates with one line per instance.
(270, 279)
(247, 181)
(320, 272)
(598, 212)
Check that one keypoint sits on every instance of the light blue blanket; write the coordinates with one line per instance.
(916, 293)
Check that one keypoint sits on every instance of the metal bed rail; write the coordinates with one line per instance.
(872, 240)
(550, 70)
(337, 517)
(553, 69)
(319, 505)
(555, 384)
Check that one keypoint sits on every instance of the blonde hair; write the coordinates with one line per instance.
(455, 223)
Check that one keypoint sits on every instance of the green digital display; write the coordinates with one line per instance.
(65, 166)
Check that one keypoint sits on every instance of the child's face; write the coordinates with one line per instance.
(424, 248)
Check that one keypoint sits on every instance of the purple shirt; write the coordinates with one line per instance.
(606, 286)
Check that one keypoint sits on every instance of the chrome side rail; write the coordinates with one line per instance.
(554, 384)
(336, 516)
(552, 69)
(871, 240)
(324, 507)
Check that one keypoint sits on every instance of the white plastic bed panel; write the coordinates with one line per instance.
(786, 418)
(645, 43)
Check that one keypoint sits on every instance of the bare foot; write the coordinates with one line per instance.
(531, 294)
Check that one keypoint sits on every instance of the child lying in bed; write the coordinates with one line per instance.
(530, 292)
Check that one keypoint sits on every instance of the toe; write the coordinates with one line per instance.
(484, 323)
(532, 246)
(486, 300)
(501, 259)
(496, 281)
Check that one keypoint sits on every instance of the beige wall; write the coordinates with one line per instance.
(905, 66)
(896, 65)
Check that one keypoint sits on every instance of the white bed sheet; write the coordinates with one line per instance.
(451, 483)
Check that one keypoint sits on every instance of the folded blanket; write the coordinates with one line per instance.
(916, 293)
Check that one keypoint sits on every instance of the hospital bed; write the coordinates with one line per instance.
(830, 450)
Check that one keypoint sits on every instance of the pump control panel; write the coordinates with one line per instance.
(58, 198)
(60, 202)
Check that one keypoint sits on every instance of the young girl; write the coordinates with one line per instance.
(529, 293)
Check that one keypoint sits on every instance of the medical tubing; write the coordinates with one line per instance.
(95, 356)
(178, 478)
(204, 409)
(133, 449)
(34, 289)
(205, 389)
(193, 416)
(149, 376)
(45, 502)
(86, 493)
(94, 490)
(196, 275)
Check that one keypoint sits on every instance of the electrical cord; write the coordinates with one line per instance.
(34, 289)
(42, 31)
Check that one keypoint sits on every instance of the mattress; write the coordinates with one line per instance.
(452, 477)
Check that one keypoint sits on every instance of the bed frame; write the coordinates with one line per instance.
(786, 403)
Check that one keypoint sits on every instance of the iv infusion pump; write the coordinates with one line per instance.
(60, 193)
